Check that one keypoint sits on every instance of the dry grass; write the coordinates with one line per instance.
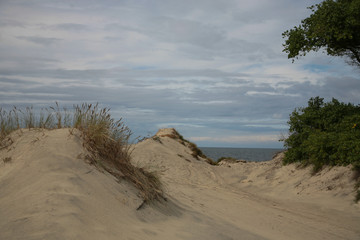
(106, 139)
(195, 151)
(227, 159)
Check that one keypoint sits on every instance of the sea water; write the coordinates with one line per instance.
(248, 154)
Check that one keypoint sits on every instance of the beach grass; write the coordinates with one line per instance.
(106, 139)
(227, 159)
(195, 150)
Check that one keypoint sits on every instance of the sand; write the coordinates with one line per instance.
(49, 191)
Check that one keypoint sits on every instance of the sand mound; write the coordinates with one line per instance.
(264, 200)
(49, 191)
(168, 132)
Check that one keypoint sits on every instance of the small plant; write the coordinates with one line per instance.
(195, 151)
(357, 188)
(157, 139)
(211, 162)
(357, 197)
(46, 121)
(7, 124)
(356, 177)
(227, 159)
(29, 117)
(6, 142)
(7, 159)
(181, 156)
(62, 116)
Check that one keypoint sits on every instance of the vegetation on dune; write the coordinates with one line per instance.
(228, 160)
(325, 134)
(357, 197)
(334, 25)
(196, 151)
(106, 139)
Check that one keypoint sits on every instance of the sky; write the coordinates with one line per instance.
(212, 69)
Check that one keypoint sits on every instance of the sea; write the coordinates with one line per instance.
(248, 154)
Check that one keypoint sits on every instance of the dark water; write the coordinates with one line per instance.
(248, 154)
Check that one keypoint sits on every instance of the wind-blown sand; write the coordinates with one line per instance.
(49, 191)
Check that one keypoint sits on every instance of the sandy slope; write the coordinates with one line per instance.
(48, 191)
(254, 200)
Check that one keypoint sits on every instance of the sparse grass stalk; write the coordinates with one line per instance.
(9, 121)
(67, 122)
(15, 117)
(58, 115)
(28, 117)
(48, 122)
(5, 123)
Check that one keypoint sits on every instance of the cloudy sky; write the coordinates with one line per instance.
(213, 69)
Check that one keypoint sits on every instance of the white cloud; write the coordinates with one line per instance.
(238, 139)
(209, 67)
(250, 93)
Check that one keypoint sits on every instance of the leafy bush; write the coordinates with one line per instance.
(324, 134)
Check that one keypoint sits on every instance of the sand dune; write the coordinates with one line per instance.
(49, 191)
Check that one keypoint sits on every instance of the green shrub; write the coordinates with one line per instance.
(324, 134)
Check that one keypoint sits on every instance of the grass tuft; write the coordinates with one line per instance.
(195, 151)
(106, 139)
(227, 159)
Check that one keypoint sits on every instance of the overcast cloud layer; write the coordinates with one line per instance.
(212, 69)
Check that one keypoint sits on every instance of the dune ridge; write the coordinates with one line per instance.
(50, 191)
